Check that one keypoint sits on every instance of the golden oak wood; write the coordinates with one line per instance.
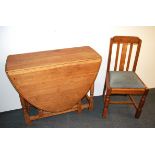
(54, 81)
(116, 60)
(108, 90)
(123, 56)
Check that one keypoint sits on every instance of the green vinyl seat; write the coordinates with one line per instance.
(125, 79)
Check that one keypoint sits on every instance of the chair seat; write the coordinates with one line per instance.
(125, 79)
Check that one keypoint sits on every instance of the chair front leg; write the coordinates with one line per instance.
(106, 104)
(141, 104)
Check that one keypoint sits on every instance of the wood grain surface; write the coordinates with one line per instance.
(54, 80)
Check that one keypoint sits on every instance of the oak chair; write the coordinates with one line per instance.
(120, 76)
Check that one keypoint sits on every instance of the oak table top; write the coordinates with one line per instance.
(54, 80)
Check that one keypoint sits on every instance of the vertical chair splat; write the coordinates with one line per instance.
(137, 55)
(116, 60)
(123, 56)
(129, 57)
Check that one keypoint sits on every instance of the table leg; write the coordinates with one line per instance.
(91, 97)
(25, 108)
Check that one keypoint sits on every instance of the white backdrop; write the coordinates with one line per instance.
(21, 39)
(51, 24)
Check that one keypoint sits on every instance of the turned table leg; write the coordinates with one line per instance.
(79, 107)
(91, 97)
(25, 108)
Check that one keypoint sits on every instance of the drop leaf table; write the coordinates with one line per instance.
(54, 81)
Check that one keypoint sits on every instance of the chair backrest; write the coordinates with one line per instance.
(123, 52)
